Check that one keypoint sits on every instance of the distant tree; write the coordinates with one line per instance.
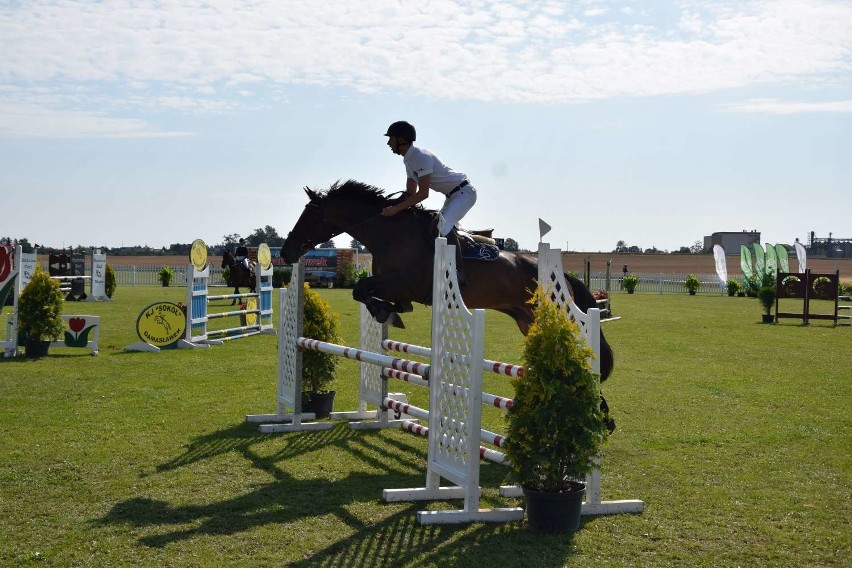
(25, 245)
(510, 244)
(229, 241)
(684, 250)
(355, 245)
(632, 248)
(179, 248)
(620, 246)
(267, 235)
(329, 244)
(696, 247)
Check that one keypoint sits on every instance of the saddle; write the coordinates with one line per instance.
(475, 245)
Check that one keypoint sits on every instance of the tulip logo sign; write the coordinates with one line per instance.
(77, 334)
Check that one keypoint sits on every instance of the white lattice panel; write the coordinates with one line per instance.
(371, 384)
(551, 276)
(289, 326)
(456, 393)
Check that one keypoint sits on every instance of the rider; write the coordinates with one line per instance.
(241, 254)
(426, 171)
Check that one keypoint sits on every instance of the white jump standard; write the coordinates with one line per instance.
(258, 312)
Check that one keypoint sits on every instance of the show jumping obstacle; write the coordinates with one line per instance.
(81, 331)
(73, 285)
(256, 316)
(454, 377)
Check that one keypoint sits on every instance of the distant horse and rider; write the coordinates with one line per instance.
(241, 272)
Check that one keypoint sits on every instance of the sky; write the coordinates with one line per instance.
(152, 122)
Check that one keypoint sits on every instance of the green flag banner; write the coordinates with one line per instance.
(745, 262)
(783, 259)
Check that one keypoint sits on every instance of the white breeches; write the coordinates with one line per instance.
(456, 207)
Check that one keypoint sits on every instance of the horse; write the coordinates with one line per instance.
(238, 275)
(403, 249)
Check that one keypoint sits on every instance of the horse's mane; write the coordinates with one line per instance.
(362, 192)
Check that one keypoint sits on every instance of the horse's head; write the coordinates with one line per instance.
(342, 208)
(227, 259)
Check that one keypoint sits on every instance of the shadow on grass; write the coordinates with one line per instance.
(393, 540)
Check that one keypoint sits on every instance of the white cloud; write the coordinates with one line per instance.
(772, 106)
(125, 54)
(28, 120)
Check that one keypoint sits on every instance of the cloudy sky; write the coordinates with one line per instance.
(655, 123)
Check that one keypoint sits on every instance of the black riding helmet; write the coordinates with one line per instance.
(403, 130)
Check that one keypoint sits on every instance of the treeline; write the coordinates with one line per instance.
(267, 234)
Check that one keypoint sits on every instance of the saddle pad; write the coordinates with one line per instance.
(480, 251)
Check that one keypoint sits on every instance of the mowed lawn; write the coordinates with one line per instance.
(737, 435)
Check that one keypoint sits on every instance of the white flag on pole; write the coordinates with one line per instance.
(543, 229)
(721, 263)
(802, 255)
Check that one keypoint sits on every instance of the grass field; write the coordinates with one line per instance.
(737, 435)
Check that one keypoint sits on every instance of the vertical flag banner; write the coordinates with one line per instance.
(783, 261)
(745, 262)
(771, 261)
(802, 256)
(759, 260)
(721, 263)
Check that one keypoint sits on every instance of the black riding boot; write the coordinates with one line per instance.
(453, 239)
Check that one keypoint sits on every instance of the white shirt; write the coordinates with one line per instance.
(420, 162)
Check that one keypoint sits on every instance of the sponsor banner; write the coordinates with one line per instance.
(162, 324)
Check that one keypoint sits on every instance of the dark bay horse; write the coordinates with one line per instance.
(403, 249)
(238, 276)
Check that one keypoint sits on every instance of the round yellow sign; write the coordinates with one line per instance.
(162, 324)
(251, 318)
(198, 254)
(264, 256)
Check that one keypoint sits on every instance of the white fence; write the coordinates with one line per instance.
(149, 275)
(659, 283)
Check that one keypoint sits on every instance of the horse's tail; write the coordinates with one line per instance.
(585, 300)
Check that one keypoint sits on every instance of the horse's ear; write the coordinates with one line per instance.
(312, 195)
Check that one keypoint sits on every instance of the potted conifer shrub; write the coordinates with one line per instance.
(629, 282)
(556, 426)
(766, 295)
(692, 283)
(318, 369)
(40, 314)
(165, 275)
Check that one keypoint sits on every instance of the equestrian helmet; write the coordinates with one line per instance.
(403, 130)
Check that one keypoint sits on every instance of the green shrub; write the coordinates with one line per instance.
(630, 282)
(40, 308)
(556, 426)
(166, 274)
(281, 276)
(321, 323)
(734, 287)
(692, 283)
(347, 276)
(766, 295)
(846, 288)
(109, 281)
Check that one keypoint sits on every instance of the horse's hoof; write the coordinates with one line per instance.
(396, 321)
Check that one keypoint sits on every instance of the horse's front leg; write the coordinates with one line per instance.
(372, 291)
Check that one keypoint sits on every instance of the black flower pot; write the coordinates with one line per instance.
(320, 403)
(555, 512)
(36, 348)
(768, 318)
